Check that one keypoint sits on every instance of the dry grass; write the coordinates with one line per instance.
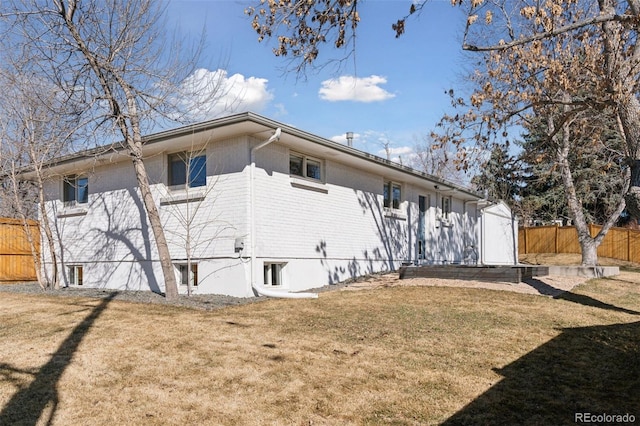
(570, 259)
(399, 355)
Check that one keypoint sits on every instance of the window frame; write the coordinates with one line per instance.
(306, 159)
(388, 195)
(181, 268)
(75, 275)
(74, 193)
(187, 159)
(445, 206)
(271, 270)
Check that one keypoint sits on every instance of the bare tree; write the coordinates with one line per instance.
(37, 127)
(191, 221)
(438, 159)
(115, 61)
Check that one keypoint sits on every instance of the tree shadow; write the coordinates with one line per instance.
(542, 287)
(583, 370)
(126, 232)
(581, 299)
(28, 404)
(590, 301)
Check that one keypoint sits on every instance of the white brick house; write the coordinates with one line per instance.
(307, 212)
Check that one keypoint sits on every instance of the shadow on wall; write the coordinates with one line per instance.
(392, 232)
(40, 397)
(354, 268)
(116, 243)
(583, 370)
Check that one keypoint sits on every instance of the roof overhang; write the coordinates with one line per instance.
(261, 128)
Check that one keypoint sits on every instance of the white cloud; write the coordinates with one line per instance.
(401, 154)
(281, 110)
(350, 88)
(397, 151)
(209, 94)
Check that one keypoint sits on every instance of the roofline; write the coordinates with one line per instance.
(267, 122)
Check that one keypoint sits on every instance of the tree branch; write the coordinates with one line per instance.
(549, 34)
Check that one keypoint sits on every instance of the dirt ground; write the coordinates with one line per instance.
(550, 285)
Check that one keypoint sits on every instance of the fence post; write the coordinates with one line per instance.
(555, 242)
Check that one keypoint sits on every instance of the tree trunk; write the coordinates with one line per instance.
(621, 75)
(589, 249)
(170, 284)
(588, 245)
(630, 119)
(44, 220)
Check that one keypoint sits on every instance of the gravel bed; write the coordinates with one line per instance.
(205, 302)
(197, 301)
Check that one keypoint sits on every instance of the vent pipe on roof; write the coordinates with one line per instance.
(349, 138)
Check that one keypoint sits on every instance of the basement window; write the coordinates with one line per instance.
(273, 274)
(75, 274)
(184, 277)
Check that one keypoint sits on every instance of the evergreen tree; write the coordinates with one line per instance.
(501, 176)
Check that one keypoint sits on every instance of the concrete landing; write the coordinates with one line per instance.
(584, 271)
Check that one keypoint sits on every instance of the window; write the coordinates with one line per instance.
(446, 207)
(301, 165)
(75, 275)
(392, 194)
(273, 274)
(75, 190)
(187, 170)
(184, 277)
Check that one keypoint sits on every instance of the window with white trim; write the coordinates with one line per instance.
(186, 278)
(74, 273)
(446, 207)
(273, 274)
(75, 190)
(303, 166)
(187, 170)
(392, 195)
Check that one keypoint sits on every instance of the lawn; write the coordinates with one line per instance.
(401, 355)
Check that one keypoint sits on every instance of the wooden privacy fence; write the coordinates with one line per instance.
(16, 259)
(619, 243)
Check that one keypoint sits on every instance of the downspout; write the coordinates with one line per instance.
(479, 218)
(252, 220)
(465, 232)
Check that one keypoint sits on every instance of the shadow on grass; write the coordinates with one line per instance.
(547, 290)
(590, 301)
(29, 403)
(583, 370)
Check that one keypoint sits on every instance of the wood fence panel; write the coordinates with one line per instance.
(16, 259)
(615, 244)
(619, 243)
(634, 246)
(567, 240)
(540, 239)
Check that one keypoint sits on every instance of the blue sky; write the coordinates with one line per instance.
(400, 83)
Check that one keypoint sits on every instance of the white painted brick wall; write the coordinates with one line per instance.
(323, 236)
